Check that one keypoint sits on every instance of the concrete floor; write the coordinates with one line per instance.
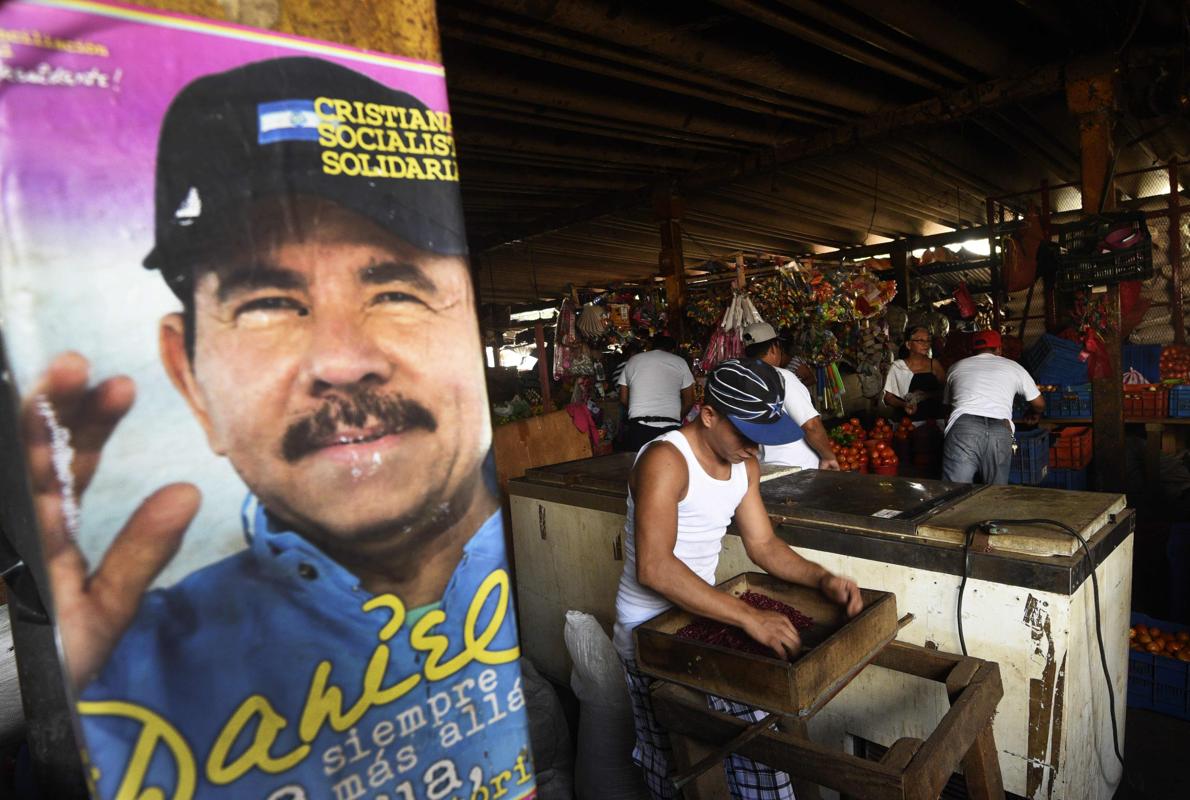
(1156, 757)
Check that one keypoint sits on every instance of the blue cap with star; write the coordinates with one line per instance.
(751, 394)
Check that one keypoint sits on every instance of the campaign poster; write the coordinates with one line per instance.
(235, 294)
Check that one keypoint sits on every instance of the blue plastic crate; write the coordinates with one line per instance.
(1074, 480)
(1068, 402)
(1179, 401)
(1031, 459)
(1057, 361)
(1144, 358)
(1159, 683)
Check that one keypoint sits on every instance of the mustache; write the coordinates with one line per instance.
(388, 414)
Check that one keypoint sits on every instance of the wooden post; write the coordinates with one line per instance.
(1046, 211)
(899, 257)
(1175, 257)
(544, 373)
(994, 262)
(1091, 94)
(687, 752)
(671, 262)
(1049, 312)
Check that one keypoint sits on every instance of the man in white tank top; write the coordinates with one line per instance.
(684, 489)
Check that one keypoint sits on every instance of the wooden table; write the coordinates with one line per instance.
(911, 769)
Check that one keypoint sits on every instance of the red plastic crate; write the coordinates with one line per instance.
(1070, 448)
(1146, 401)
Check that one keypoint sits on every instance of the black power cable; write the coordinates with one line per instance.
(990, 527)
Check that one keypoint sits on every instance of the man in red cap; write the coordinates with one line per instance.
(981, 390)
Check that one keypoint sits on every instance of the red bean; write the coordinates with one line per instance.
(709, 631)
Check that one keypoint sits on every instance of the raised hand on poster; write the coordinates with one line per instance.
(93, 609)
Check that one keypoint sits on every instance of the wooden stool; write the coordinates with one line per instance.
(910, 770)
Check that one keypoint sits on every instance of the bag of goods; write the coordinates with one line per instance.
(604, 767)
(726, 341)
(565, 340)
(966, 303)
(592, 322)
(1132, 376)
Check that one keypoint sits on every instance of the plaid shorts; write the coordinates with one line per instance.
(746, 779)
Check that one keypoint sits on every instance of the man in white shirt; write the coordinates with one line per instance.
(683, 492)
(981, 389)
(658, 389)
(813, 450)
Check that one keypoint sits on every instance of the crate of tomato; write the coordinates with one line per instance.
(1159, 666)
(1175, 362)
(847, 443)
(1146, 401)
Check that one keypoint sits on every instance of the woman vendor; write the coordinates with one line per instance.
(915, 383)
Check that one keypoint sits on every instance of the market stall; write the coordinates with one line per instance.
(1028, 604)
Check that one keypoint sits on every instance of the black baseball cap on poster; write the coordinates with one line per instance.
(752, 395)
(263, 130)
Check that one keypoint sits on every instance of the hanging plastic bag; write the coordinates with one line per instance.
(1133, 377)
(966, 303)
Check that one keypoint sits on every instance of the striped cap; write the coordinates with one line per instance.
(752, 395)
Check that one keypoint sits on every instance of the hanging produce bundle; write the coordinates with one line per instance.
(592, 322)
(619, 316)
(706, 308)
(726, 340)
(867, 293)
(565, 340)
(873, 353)
(781, 302)
(649, 314)
(817, 344)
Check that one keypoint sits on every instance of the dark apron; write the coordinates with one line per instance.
(930, 406)
(636, 434)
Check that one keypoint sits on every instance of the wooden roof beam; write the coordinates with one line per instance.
(939, 110)
(880, 36)
(939, 28)
(489, 78)
(516, 144)
(531, 40)
(631, 27)
(589, 124)
(842, 45)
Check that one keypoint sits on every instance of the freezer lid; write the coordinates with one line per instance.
(603, 473)
(889, 503)
(1086, 512)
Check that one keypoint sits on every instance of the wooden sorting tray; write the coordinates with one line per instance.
(834, 650)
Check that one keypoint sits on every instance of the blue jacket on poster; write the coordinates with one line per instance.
(273, 675)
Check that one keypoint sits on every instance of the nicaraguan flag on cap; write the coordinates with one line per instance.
(287, 121)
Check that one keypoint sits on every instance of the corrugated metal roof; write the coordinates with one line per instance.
(570, 114)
